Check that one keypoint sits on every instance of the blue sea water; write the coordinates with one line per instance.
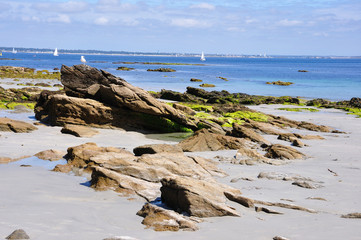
(333, 79)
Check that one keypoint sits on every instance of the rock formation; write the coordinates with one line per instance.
(95, 97)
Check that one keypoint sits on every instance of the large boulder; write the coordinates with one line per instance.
(16, 126)
(87, 82)
(198, 198)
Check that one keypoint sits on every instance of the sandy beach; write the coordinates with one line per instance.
(50, 205)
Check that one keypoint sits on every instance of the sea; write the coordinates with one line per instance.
(329, 78)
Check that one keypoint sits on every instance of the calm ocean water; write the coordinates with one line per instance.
(334, 79)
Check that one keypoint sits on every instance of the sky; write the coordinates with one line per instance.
(272, 27)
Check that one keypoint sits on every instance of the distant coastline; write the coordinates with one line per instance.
(165, 54)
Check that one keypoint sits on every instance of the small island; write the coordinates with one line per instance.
(207, 85)
(125, 68)
(196, 80)
(161, 70)
(280, 83)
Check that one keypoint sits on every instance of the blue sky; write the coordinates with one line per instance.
(290, 27)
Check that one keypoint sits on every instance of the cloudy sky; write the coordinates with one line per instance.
(292, 27)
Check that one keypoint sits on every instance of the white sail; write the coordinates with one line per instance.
(14, 51)
(56, 52)
(202, 57)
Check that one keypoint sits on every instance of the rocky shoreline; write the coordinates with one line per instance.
(180, 186)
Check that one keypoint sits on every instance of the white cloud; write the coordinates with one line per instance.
(289, 23)
(65, 7)
(60, 18)
(72, 6)
(101, 21)
(189, 23)
(206, 6)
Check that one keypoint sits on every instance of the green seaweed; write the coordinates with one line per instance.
(199, 107)
(354, 111)
(163, 124)
(255, 116)
(12, 105)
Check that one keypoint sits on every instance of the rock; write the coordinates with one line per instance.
(279, 238)
(352, 215)
(262, 127)
(266, 210)
(157, 148)
(280, 83)
(81, 156)
(278, 151)
(246, 202)
(181, 165)
(211, 126)
(246, 156)
(207, 85)
(125, 68)
(16, 126)
(297, 143)
(105, 179)
(305, 184)
(290, 137)
(196, 80)
(355, 102)
(6, 160)
(64, 168)
(18, 234)
(314, 127)
(185, 109)
(175, 96)
(318, 102)
(161, 70)
(302, 71)
(51, 155)
(79, 131)
(197, 197)
(243, 132)
(105, 100)
(285, 205)
(161, 219)
(203, 140)
(283, 176)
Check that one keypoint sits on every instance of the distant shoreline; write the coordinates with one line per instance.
(125, 53)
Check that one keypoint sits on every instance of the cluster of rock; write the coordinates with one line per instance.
(184, 186)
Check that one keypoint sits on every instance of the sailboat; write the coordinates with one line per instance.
(56, 52)
(14, 51)
(202, 57)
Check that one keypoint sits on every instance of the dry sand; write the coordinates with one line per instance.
(49, 205)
